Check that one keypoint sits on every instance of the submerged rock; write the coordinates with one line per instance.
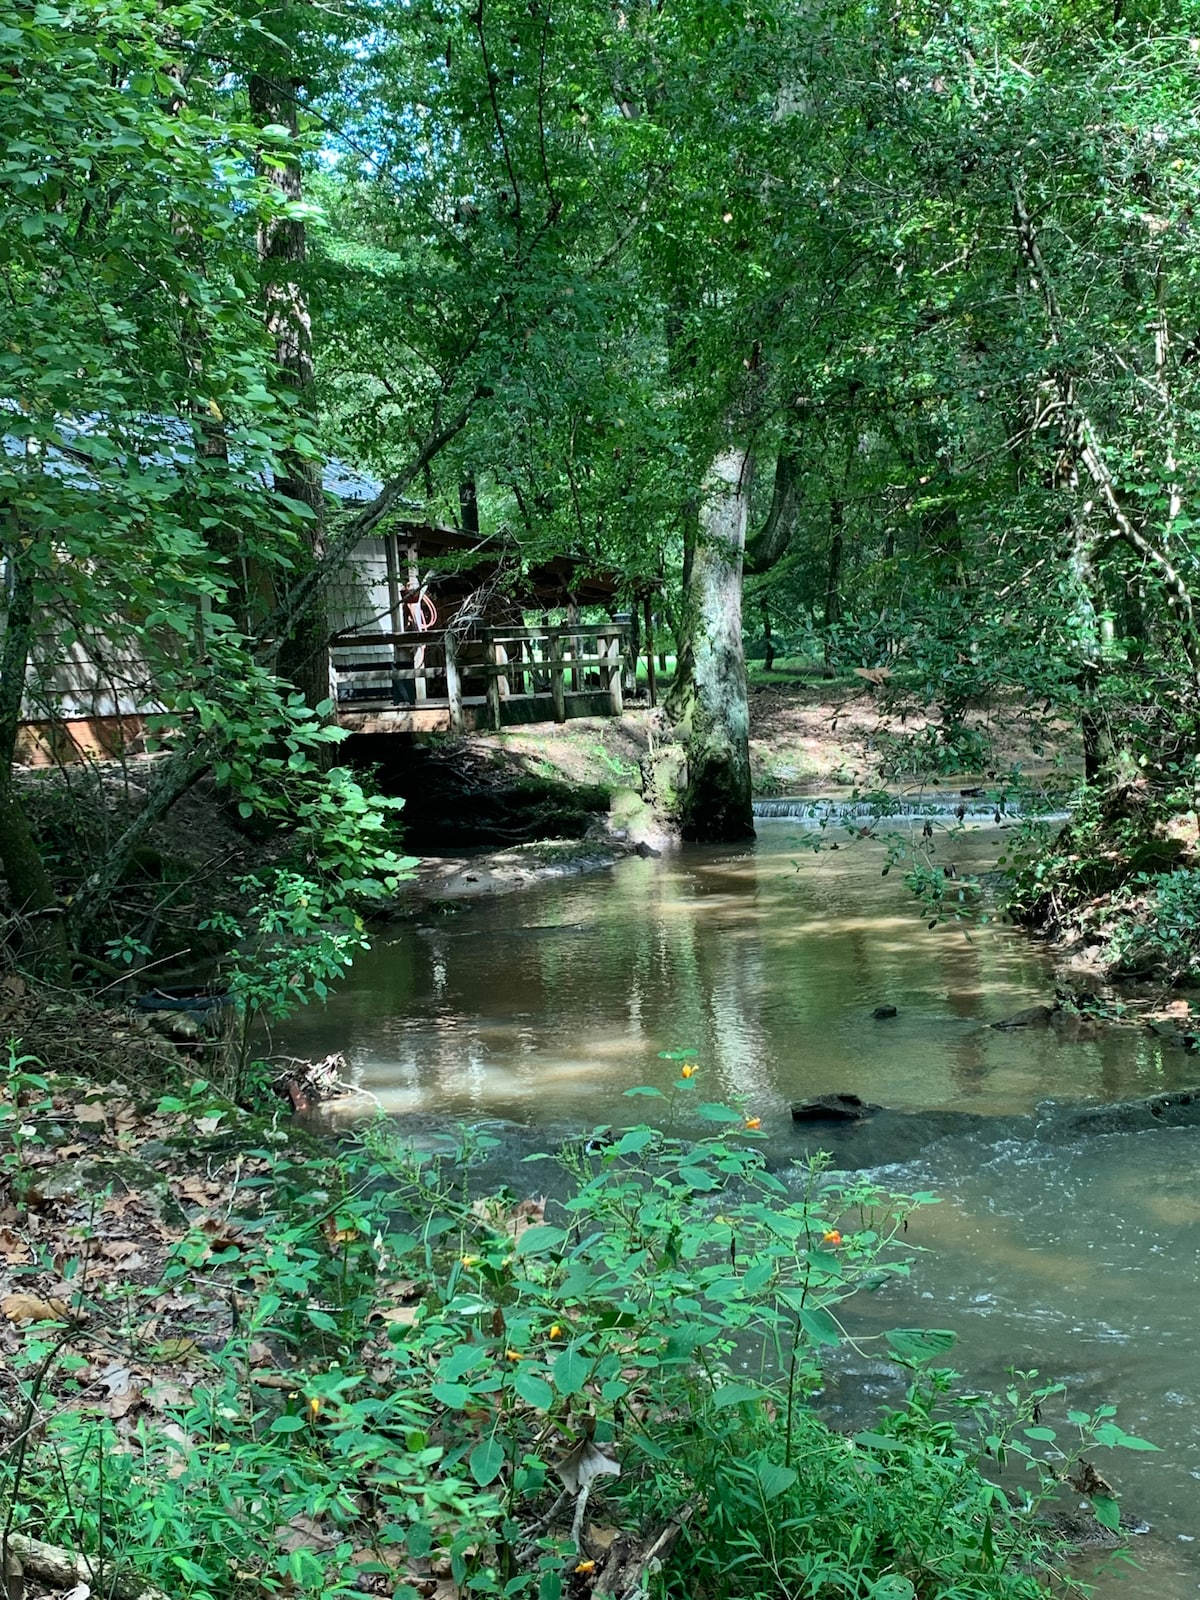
(1031, 1017)
(833, 1108)
(881, 1013)
(1180, 1109)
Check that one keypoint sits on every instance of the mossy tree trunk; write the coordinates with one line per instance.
(710, 700)
(42, 933)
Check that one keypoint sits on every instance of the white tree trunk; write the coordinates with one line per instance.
(712, 700)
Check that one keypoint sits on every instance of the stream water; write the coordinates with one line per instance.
(1075, 1254)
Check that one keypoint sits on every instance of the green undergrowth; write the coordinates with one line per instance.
(357, 1369)
(1122, 876)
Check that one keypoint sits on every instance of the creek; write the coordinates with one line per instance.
(1072, 1253)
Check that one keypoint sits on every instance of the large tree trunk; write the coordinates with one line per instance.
(710, 699)
(43, 939)
(304, 650)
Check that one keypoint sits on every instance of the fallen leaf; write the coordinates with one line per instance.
(162, 1396)
(119, 1250)
(30, 1308)
(583, 1462)
(400, 1316)
(13, 1248)
(302, 1533)
(174, 1350)
(90, 1111)
(177, 1459)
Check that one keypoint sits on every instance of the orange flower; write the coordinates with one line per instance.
(586, 1566)
(514, 1355)
(832, 1237)
(687, 1071)
(556, 1330)
(753, 1122)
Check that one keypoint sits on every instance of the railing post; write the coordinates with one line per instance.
(558, 688)
(651, 680)
(453, 685)
(612, 649)
(576, 674)
(395, 610)
(492, 659)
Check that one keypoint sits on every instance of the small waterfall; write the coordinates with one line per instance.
(898, 808)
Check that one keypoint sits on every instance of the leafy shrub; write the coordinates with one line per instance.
(478, 1395)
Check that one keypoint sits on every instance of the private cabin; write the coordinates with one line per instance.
(432, 629)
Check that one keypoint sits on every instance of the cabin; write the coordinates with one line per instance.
(433, 629)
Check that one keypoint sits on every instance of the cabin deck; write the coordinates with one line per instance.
(487, 679)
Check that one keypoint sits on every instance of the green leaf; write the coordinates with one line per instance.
(913, 1346)
(645, 1089)
(697, 1178)
(711, 1111)
(892, 1586)
(736, 1394)
(629, 1144)
(1107, 1512)
(819, 1325)
(774, 1480)
(487, 1461)
(570, 1370)
(534, 1241)
(533, 1389)
(287, 1424)
(453, 1395)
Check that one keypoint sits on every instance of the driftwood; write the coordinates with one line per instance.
(63, 1569)
(634, 1559)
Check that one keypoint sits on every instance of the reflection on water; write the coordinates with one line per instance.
(768, 961)
(1080, 1260)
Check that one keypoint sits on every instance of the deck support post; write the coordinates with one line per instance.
(492, 656)
(558, 687)
(612, 650)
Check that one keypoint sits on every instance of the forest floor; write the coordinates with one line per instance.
(807, 735)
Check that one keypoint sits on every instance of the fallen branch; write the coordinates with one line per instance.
(632, 1562)
(63, 1569)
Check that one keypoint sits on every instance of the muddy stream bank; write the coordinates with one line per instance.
(1057, 1245)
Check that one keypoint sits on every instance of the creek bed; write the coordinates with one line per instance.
(1075, 1255)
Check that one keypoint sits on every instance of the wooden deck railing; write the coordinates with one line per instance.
(491, 670)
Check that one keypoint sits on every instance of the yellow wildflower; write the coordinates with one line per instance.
(753, 1123)
(556, 1331)
(687, 1071)
(586, 1566)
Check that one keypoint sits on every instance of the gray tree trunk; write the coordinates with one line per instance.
(710, 697)
(304, 650)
